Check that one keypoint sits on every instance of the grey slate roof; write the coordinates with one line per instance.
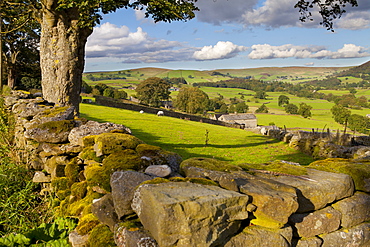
(241, 116)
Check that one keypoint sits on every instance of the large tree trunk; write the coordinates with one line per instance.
(62, 54)
(11, 76)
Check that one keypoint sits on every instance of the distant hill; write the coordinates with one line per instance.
(358, 71)
(285, 74)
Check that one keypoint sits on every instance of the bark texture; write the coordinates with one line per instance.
(62, 54)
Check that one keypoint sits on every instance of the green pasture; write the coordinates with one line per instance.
(188, 138)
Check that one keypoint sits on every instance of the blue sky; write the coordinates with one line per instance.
(230, 34)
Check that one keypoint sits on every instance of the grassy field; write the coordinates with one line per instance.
(188, 138)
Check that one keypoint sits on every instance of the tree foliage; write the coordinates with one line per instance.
(291, 109)
(241, 107)
(152, 91)
(283, 100)
(328, 9)
(262, 109)
(305, 110)
(192, 100)
(340, 114)
(359, 123)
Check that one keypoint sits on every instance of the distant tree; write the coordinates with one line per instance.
(241, 107)
(108, 92)
(119, 94)
(100, 87)
(352, 91)
(291, 109)
(359, 123)
(340, 114)
(192, 100)
(232, 108)
(224, 109)
(283, 100)
(86, 87)
(260, 95)
(152, 91)
(262, 109)
(304, 110)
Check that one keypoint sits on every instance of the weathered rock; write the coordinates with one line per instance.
(56, 165)
(77, 240)
(308, 242)
(134, 237)
(40, 177)
(355, 209)
(51, 132)
(187, 214)
(256, 236)
(274, 201)
(94, 128)
(154, 155)
(123, 184)
(358, 236)
(320, 189)
(359, 170)
(319, 222)
(108, 143)
(159, 171)
(103, 209)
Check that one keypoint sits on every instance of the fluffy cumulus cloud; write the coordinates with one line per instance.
(221, 50)
(111, 41)
(265, 51)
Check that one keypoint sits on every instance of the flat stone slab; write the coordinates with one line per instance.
(187, 214)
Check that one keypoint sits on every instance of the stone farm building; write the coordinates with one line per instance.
(247, 119)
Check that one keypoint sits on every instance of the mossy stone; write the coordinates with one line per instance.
(108, 143)
(262, 220)
(358, 170)
(96, 175)
(88, 141)
(278, 166)
(202, 181)
(55, 111)
(86, 224)
(62, 194)
(209, 164)
(123, 161)
(71, 171)
(101, 236)
(79, 190)
(147, 150)
(57, 127)
(60, 183)
(76, 209)
(88, 153)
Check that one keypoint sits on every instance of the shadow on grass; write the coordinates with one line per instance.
(184, 150)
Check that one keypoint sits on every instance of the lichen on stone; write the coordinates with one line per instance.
(277, 166)
(57, 126)
(55, 111)
(210, 164)
(358, 170)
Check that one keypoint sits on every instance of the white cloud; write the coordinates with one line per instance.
(355, 21)
(266, 51)
(221, 50)
(111, 41)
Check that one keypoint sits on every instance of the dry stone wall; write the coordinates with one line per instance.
(127, 193)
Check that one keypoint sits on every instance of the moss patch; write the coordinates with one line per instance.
(277, 166)
(202, 181)
(122, 161)
(88, 153)
(108, 143)
(265, 221)
(101, 236)
(55, 111)
(88, 141)
(359, 171)
(96, 175)
(71, 171)
(86, 224)
(79, 190)
(60, 183)
(77, 208)
(209, 164)
(147, 150)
